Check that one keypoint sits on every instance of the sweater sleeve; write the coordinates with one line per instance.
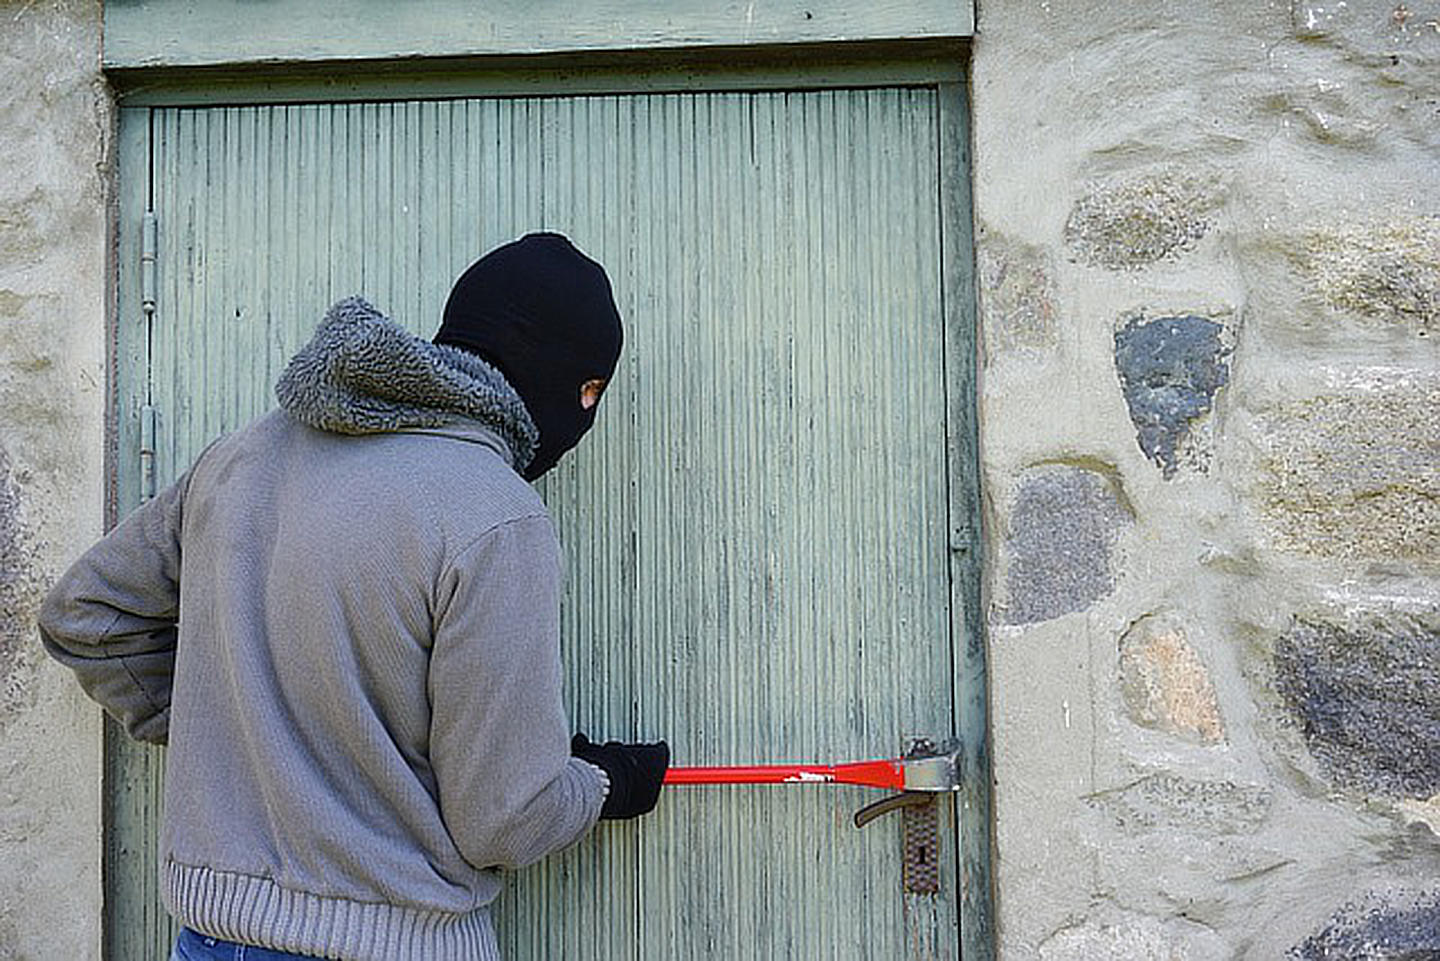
(112, 617)
(510, 792)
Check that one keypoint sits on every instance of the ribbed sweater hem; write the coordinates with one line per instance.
(256, 910)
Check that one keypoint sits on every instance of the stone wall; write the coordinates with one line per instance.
(54, 182)
(1209, 273)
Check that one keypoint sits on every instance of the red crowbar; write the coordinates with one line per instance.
(930, 772)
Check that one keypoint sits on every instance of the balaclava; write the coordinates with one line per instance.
(543, 313)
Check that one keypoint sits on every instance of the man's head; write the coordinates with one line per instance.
(543, 313)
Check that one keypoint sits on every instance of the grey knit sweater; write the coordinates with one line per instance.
(344, 618)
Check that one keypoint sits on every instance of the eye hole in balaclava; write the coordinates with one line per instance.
(544, 314)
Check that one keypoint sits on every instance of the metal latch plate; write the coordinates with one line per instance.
(920, 831)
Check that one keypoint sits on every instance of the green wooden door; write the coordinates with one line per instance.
(767, 531)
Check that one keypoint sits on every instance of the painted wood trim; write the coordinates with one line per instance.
(974, 822)
(169, 33)
(812, 69)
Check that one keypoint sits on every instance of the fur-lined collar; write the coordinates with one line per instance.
(364, 374)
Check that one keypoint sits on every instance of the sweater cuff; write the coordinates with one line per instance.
(604, 778)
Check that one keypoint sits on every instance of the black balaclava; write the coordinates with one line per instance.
(543, 313)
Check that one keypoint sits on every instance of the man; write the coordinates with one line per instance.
(344, 619)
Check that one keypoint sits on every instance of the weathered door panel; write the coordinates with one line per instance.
(758, 530)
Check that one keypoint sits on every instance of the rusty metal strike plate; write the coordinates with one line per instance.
(920, 834)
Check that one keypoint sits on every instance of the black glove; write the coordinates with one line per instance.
(635, 771)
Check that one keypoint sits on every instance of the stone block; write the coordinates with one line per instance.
(1017, 295)
(1165, 685)
(1388, 271)
(1355, 475)
(1063, 528)
(1365, 695)
(1170, 369)
(1169, 802)
(1134, 222)
(1383, 926)
(1131, 937)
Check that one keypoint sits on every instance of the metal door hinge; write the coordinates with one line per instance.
(149, 248)
(147, 452)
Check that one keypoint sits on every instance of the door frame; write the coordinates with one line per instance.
(943, 67)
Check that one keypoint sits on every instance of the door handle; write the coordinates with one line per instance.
(920, 827)
(905, 799)
(919, 776)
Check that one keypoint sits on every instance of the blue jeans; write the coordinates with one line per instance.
(193, 946)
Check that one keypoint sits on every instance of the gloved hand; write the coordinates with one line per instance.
(635, 772)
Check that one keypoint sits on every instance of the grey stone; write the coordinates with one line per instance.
(1171, 802)
(1063, 528)
(1366, 697)
(1131, 223)
(1170, 369)
(1355, 475)
(1379, 927)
